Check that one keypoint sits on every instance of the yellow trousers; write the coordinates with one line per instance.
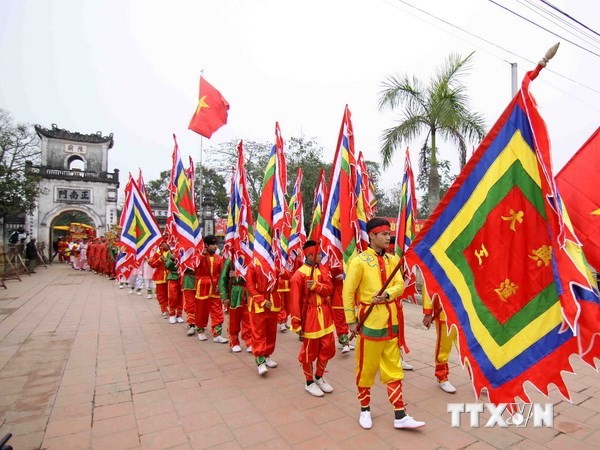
(373, 356)
(443, 347)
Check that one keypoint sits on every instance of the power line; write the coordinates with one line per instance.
(570, 17)
(543, 28)
(489, 43)
(553, 18)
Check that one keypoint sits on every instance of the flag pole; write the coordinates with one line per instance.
(201, 174)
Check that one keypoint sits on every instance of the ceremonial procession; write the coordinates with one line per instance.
(290, 294)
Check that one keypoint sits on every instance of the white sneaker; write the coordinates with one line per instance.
(446, 386)
(262, 369)
(270, 363)
(324, 385)
(139, 292)
(365, 420)
(179, 319)
(120, 286)
(220, 340)
(172, 319)
(191, 330)
(165, 315)
(236, 349)
(408, 422)
(313, 389)
(352, 347)
(202, 336)
(283, 327)
(345, 349)
(249, 349)
(149, 296)
(131, 291)
(406, 366)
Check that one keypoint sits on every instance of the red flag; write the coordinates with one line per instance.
(211, 112)
(577, 186)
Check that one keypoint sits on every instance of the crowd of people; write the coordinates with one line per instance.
(326, 309)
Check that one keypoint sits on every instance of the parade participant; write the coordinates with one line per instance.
(62, 246)
(283, 287)
(147, 273)
(379, 335)
(312, 318)
(264, 303)
(433, 312)
(157, 262)
(92, 253)
(235, 298)
(188, 290)
(207, 292)
(113, 251)
(135, 281)
(83, 254)
(74, 254)
(339, 317)
(102, 255)
(174, 298)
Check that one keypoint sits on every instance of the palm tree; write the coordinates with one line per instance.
(440, 109)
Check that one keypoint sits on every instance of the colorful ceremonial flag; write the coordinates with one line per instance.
(183, 226)
(405, 225)
(498, 253)
(316, 224)
(340, 225)
(368, 188)
(270, 221)
(297, 234)
(140, 233)
(362, 193)
(211, 112)
(577, 186)
(238, 238)
(142, 187)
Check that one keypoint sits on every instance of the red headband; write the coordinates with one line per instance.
(380, 228)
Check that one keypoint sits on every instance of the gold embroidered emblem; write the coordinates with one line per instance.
(481, 253)
(506, 289)
(514, 217)
(542, 255)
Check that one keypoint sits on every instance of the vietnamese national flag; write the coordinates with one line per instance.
(577, 184)
(211, 112)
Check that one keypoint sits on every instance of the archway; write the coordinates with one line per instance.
(63, 225)
(76, 163)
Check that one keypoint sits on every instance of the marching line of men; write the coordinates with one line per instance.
(313, 298)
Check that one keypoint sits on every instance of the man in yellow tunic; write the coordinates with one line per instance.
(374, 318)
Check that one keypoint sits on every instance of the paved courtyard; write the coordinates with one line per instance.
(85, 365)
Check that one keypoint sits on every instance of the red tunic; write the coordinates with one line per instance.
(207, 276)
(311, 308)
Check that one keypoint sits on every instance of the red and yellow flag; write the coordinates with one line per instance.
(211, 112)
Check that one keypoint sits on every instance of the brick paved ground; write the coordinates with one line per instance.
(85, 365)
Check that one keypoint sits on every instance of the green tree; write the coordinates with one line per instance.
(158, 189)
(440, 109)
(18, 144)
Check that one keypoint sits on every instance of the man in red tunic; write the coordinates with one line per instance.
(208, 300)
(157, 261)
(312, 318)
(264, 304)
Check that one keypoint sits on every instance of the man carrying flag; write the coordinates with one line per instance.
(376, 311)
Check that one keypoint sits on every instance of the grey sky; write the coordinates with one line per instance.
(132, 68)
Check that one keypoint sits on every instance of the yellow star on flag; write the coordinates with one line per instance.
(596, 212)
(201, 104)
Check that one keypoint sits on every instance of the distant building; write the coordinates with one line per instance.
(74, 177)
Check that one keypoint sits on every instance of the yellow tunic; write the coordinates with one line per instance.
(363, 281)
